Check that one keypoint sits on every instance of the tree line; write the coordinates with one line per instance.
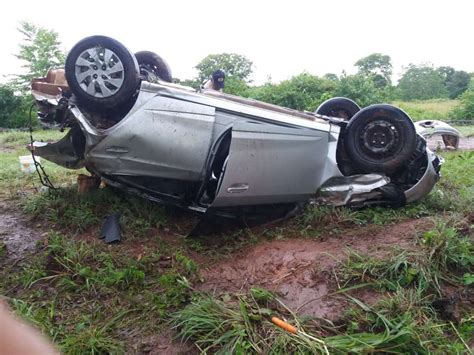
(40, 50)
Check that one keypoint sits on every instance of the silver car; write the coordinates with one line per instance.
(205, 150)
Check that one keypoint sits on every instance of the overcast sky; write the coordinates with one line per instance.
(282, 38)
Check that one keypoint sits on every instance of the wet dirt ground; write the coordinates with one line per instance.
(299, 270)
(18, 234)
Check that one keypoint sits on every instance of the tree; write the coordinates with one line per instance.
(421, 82)
(378, 67)
(359, 88)
(458, 83)
(40, 50)
(331, 77)
(234, 65)
(455, 82)
(446, 73)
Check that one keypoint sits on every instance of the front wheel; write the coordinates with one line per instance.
(102, 73)
(380, 138)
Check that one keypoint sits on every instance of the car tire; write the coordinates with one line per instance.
(102, 73)
(340, 107)
(150, 62)
(380, 138)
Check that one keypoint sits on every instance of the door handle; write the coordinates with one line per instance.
(237, 188)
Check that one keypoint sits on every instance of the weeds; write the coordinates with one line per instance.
(444, 255)
(67, 209)
(400, 269)
(448, 251)
(82, 295)
(241, 324)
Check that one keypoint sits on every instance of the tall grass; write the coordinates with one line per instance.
(436, 109)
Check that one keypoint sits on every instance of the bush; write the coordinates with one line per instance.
(301, 92)
(13, 108)
(465, 110)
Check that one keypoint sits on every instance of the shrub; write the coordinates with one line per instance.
(465, 110)
(13, 108)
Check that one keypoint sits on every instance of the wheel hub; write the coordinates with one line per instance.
(379, 138)
(99, 72)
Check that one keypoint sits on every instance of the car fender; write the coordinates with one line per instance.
(429, 128)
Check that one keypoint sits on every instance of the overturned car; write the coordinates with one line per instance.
(205, 150)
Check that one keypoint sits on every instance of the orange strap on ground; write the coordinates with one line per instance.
(284, 325)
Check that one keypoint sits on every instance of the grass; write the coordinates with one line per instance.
(14, 139)
(15, 184)
(65, 208)
(241, 323)
(89, 297)
(443, 254)
(82, 295)
(436, 109)
(466, 131)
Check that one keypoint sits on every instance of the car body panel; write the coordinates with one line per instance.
(427, 181)
(271, 164)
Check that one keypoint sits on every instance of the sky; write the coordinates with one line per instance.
(281, 38)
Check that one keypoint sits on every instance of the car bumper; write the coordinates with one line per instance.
(428, 180)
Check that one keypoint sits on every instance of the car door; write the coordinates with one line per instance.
(270, 163)
(165, 137)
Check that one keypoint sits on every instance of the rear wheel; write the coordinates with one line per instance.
(152, 66)
(102, 73)
(380, 138)
(340, 107)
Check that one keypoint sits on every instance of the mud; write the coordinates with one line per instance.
(18, 235)
(163, 343)
(299, 270)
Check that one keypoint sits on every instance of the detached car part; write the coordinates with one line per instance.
(208, 151)
(430, 128)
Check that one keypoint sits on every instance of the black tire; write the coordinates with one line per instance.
(380, 138)
(340, 107)
(152, 62)
(97, 84)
